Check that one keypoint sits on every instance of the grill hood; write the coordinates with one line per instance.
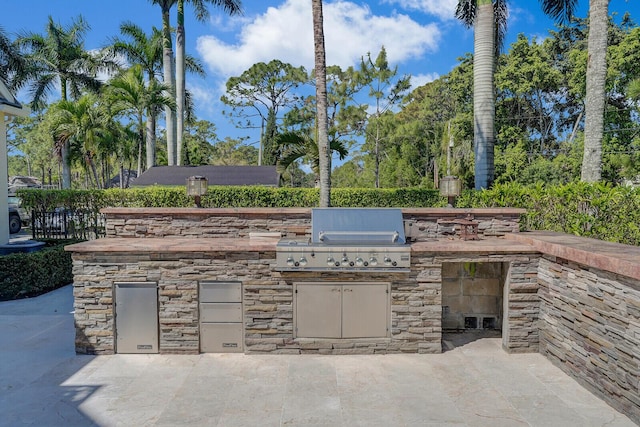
(357, 226)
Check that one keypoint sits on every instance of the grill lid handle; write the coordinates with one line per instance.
(323, 236)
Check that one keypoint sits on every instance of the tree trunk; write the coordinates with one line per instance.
(321, 105)
(377, 153)
(66, 168)
(93, 170)
(484, 94)
(141, 142)
(169, 80)
(180, 82)
(151, 138)
(66, 147)
(595, 99)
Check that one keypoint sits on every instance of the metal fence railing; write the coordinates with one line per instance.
(67, 224)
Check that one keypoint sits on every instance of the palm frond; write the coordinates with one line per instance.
(561, 10)
(466, 12)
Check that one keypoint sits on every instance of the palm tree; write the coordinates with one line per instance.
(295, 146)
(322, 123)
(129, 94)
(477, 13)
(80, 126)
(140, 48)
(146, 51)
(168, 71)
(596, 79)
(59, 57)
(489, 18)
(595, 99)
(12, 63)
(232, 7)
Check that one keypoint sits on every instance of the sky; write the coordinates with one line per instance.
(422, 37)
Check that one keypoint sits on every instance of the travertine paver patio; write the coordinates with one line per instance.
(43, 383)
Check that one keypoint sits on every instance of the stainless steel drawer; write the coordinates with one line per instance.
(220, 312)
(221, 338)
(220, 292)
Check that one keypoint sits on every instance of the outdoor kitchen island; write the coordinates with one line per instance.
(179, 265)
(264, 306)
(573, 299)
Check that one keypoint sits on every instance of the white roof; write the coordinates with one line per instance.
(9, 105)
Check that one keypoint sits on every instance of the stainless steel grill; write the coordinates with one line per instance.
(348, 239)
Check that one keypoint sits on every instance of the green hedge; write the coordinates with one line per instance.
(594, 210)
(228, 196)
(599, 211)
(35, 273)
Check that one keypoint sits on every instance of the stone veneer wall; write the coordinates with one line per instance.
(177, 275)
(416, 309)
(422, 224)
(204, 223)
(590, 328)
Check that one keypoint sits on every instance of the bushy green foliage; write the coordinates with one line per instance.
(601, 211)
(386, 197)
(228, 197)
(34, 273)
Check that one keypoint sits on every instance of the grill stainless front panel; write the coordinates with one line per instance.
(348, 239)
(300, 255)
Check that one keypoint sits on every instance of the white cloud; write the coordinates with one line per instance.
(443, 9)
(202, 94)
(422, 79)
(351, 30)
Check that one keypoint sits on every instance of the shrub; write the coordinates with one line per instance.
(600, 211)
(35, 273)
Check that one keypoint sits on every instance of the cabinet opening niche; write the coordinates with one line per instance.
(472, 296)
(341, 310)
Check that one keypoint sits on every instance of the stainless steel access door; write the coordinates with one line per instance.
(318, 310)
(341, 310)
(136, 310)
(365, 310)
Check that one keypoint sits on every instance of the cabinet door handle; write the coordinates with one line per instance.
(335, 290)
(348, 290)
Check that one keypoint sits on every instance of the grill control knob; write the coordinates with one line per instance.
(344, 261)
(387, 260)
(330, 261)
(373, 261)
(303, 260)
(290, 261)
(394, 263)
(359, 262)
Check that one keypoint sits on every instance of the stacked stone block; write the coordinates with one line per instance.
(590, 328)
(425, 224)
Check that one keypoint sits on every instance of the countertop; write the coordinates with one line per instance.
(607, 256)
(613, 257)
(185, 244)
